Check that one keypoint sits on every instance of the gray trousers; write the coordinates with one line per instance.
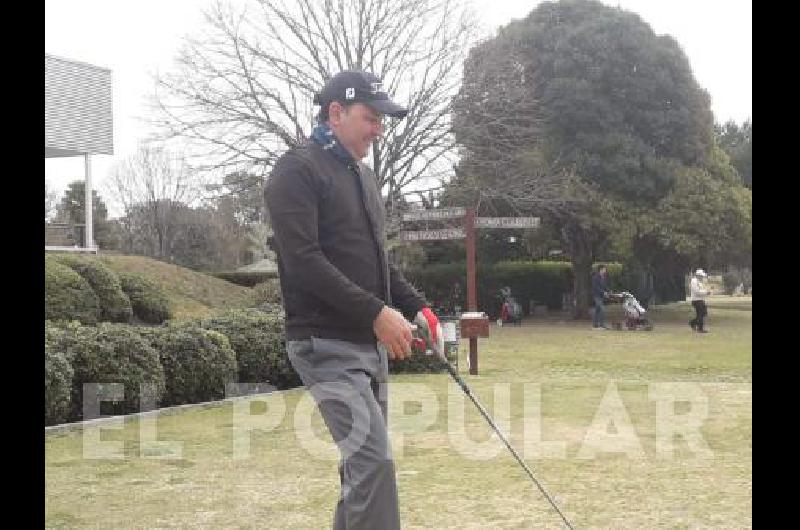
(349, 384)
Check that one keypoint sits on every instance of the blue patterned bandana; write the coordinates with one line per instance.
(323, 135)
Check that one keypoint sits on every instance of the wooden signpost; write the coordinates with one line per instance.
(473, 323)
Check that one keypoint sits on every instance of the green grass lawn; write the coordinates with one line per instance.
(451, 473)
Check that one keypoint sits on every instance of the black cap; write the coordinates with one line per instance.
(356, 86)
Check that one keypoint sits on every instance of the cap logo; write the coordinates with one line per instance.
(350, 93)
(376, 87)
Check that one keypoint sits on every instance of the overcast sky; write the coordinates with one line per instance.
(136, 38)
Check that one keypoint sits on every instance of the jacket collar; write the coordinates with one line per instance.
(323, 135)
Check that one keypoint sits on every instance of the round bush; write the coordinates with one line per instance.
(197, 362)
(112, 353)
(268, 291)
(114, 303)
(268, 297)
(57, 378)
(149, 302)
(259, 341)
(67, 296)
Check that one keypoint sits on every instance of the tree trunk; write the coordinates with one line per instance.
(580, 249)
(582, 272)
(160, 242)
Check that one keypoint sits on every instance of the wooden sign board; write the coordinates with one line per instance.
(433, 215)
(432, 235)
(507, 222)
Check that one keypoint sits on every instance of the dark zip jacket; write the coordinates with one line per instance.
(599, 286)
(328, 223)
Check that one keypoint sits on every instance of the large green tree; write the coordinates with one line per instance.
(706, 220)
(579, 112)
(737, 142)
(245, 192)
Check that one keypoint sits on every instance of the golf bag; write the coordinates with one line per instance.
(634, 313)
(510, 310)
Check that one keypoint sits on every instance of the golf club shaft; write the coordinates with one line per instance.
(485, 414)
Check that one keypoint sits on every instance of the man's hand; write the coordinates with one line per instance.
(431, 327)
(394, 332)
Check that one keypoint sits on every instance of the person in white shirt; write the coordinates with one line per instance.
(697, 295)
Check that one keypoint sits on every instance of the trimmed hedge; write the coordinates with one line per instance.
(148, 301)
(58, 375)
(247, 279)
(197, 362)
(541, 282)
(111, 353)
(115, 306)
(544, 282)
(68, 296)
(733, 278)
(259, 341)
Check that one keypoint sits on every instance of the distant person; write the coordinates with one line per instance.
(697, 295)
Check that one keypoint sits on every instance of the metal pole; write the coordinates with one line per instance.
(472, 298)
(89, 233)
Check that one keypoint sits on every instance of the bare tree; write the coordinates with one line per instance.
(242, 92)
(505, 160)
(50, 201)
(147, 186)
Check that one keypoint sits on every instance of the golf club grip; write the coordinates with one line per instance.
(489, 419)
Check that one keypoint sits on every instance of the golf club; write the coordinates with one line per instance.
(420, 343)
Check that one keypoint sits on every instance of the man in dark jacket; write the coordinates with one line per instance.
(338, 287)
(599, 293)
